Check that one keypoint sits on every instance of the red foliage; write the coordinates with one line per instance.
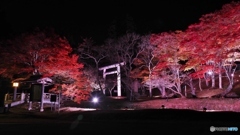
(211, 40)
(46, 53)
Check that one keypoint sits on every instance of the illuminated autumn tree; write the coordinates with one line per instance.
(68, 74)
(47, 54)
(170, 58)
(216, 44)
(144, 63)
(195, 47)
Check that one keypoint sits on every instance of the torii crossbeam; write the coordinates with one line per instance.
(118, 72)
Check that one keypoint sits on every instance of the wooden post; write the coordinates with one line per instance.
(185, 91)
(42, 98)
(118, 81)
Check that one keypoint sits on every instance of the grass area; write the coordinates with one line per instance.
(221, 104)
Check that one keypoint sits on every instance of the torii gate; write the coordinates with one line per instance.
(113, 72)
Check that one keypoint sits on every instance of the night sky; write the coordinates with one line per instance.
(75, 19)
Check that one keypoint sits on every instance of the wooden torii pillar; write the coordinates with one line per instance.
(118, 72)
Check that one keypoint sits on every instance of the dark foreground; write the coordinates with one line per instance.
(115, 122)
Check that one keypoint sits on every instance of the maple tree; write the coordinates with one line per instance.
(169, 65)
(210, 46)
(144, 63)
(47, 54)
(218, 42)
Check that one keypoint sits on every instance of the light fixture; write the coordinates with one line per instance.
(210, 72)
(15, 84)
(95, 100)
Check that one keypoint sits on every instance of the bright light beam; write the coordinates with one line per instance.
(95, 100)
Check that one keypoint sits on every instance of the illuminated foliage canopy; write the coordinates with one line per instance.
(210, 45)
(47, 54)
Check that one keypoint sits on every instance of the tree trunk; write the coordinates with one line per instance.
(229, 88)
(163, 91)
(179, 83)
(213, 80)
(220, 80)
(150, 90)
(193, 91)
(110, 93)
(230, 74)
(206, 79)
(207, 82)
(177, 92)
(150, 87)
(98, 80)
(199, 83)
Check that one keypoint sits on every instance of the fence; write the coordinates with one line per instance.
(19, 96)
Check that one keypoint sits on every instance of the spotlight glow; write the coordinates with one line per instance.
(95, 100)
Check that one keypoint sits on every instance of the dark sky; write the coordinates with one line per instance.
(94, 18)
